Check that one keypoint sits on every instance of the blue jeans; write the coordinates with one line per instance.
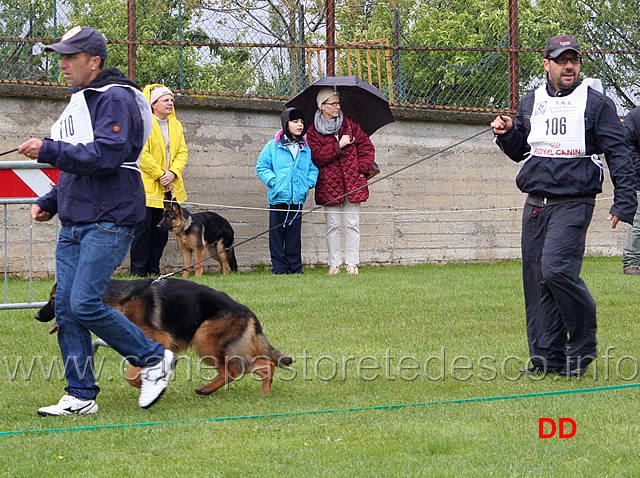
(86, 256)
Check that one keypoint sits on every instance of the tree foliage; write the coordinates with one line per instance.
(23, 19)
(443, 52)
(208, 68)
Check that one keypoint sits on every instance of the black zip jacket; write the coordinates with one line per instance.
(632, 131)
(580, 177)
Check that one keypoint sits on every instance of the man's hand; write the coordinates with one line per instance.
(615, 220)
(39, 214)
(501, 124)
(30, 148)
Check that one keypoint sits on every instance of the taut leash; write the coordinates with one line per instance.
(10, 151)
(382, 177)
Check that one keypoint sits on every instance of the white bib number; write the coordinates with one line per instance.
(557, 124)
(74, 125)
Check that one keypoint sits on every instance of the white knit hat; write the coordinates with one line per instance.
(324, 94)
(159, 91)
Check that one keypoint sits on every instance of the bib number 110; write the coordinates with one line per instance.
(66, 127)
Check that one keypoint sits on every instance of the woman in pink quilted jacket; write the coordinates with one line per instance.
(344, 154)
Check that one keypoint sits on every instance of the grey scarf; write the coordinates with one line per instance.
(328, 127)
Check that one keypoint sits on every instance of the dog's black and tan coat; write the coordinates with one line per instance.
(199, 232)
(180, 314)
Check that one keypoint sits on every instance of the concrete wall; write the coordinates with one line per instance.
(457, 205)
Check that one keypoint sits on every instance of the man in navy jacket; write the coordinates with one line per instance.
(558, 134)
(99, 198)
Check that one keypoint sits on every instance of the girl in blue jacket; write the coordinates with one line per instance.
(285, 166)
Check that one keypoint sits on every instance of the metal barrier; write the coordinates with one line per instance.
(21, 178)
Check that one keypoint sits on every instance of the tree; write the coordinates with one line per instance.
(208, 68)
(23, 19)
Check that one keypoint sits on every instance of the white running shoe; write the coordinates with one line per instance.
(155, 379)
(333, 270)
(70, 405)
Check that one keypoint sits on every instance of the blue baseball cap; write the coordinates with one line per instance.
(80, 39)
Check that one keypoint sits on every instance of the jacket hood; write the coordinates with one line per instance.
(291, 114)
(282, 139)
(147, 92)
(111, 76)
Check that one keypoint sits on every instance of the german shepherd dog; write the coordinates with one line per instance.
(180, 314)
(197, 231)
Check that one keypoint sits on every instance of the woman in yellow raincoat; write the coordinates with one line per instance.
(163, 159)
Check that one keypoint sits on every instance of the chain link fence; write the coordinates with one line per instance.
(451, 54)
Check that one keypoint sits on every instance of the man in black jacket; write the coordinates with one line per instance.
(631, 251)
(558, 133)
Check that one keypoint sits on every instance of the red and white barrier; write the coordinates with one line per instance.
(27, 183)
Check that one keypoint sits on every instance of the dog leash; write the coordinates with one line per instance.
(10, 151)
(313, 209)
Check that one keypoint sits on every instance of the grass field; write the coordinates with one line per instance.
(394, 356)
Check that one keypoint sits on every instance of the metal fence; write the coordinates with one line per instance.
(18, 246)
(451, 54)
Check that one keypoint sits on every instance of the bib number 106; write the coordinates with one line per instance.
(556, 126)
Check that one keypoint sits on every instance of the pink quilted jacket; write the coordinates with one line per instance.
(340, 168)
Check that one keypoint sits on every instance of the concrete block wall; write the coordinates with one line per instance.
(458, 205)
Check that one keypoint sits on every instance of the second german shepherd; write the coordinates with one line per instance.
(197, 232)
(180, 314)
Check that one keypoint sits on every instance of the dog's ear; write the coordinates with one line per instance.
(169, 199)
(47, 312)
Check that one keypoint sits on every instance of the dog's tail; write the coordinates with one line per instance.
(233, 264)
(281, 360)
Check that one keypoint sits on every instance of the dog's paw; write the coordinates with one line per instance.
(202, 391)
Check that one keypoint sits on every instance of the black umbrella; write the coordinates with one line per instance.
(358, 99)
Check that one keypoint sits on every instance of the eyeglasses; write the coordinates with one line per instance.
(335, 103)
(563, 60)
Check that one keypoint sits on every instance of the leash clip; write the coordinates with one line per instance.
(161, 278)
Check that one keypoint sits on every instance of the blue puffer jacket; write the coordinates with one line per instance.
(92, 186)
(553, 177)
(288, 180)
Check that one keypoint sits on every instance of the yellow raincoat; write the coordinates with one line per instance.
(153, 158)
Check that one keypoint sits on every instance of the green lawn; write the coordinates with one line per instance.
(394, 355)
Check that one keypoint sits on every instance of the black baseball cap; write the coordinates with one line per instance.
(80, 39)
(559, 44)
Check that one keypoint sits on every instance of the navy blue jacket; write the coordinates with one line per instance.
(553, 177)
(92, 186)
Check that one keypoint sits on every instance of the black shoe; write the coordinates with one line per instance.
(575, 372)
(536, 370)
